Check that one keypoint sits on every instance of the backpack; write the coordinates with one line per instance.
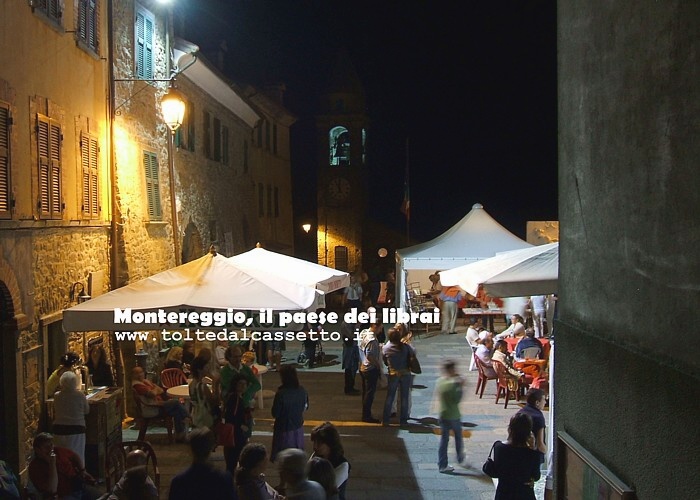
(202, 415)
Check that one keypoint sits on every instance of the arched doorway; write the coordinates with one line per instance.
(9, 441)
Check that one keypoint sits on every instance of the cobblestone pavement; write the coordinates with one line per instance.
(387, 463)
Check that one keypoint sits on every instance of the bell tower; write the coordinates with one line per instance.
(341, 127)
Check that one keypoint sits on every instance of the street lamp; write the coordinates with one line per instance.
(173, 107)
(306, 227)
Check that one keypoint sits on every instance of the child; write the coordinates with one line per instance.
(449, 392)
(248, 359)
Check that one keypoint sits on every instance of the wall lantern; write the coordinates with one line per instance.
(81, 296)
(306, 227)
(173, 106)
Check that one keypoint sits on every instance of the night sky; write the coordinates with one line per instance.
(472, 85)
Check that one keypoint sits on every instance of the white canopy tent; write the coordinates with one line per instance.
(211, 282)
(529, 271)
(292, 269)
(477, 236)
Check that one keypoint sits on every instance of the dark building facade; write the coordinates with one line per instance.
(628, 362)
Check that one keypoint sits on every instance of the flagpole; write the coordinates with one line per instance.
(408, 199)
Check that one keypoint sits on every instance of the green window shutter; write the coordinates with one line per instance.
(148, 56)
(5, 182)
(150, 163)
(140, 44)
(144, 32)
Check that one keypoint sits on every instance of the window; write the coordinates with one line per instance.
(88, 24)
(144, 30)
(267, 135)
(245, 157)
(277, 202)
(217, 139)
(48, 140)
(89, 152)
(150, 165)
(341, 258)
(269, 200)
(224, 145)
(206, 135)
(260, 143)
(339, 142)
(184, 135)
(261, 200)
(274, 138)
(5, 181)
(50, 8)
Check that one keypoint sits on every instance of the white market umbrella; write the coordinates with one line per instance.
(296, 270)
(211, 282)
(529, 271)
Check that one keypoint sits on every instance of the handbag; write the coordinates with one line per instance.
(413, 363)
(225, 435)
(489, 468)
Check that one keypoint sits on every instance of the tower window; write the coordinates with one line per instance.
(339, 142)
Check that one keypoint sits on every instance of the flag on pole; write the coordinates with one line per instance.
(406, 203)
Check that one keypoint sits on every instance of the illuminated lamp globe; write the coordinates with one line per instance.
(306, 227)
(173, 106)
(382, 252)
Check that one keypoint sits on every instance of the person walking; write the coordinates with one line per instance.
(449, 391)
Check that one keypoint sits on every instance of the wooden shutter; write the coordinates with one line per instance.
(49, 140)
(150, 163)
(89, 152)
(52, 9)
(88, 23)
(144, 31)
(5, 182)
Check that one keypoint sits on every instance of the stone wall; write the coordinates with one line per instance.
(626, 377)
(217, 198)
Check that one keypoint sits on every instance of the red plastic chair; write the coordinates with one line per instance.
(502, 387)
(171, 377)
(483, 377)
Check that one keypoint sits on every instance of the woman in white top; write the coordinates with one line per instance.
(70, 407)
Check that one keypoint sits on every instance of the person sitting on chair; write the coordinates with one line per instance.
(154, 396)
(526, 342)
(483, 352)
(516, 328)
(135, 482)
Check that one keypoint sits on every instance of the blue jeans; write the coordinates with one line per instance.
(369, 388)
(445, 427)
(173, 408)
(396, 381)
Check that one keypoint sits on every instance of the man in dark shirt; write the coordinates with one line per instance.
(201, 480)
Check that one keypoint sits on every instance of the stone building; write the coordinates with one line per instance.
(95, 191)
(214, 168)
(54, 195)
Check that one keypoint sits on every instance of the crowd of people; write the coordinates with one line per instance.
(222, 394)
